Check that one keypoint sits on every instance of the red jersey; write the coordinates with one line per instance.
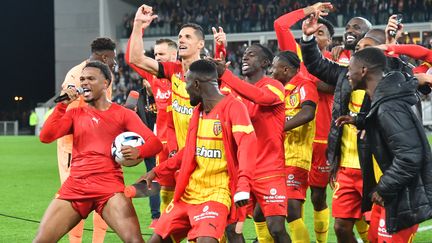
(93, 133)
(413, 51)
(161, 89)
(323, 112)
(287, 42)
(265, 103)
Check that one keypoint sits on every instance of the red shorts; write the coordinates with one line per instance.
(90, 193)
(347, 195)
(297, 182)
(320, 169)
(182, 220)
(162, 156)
(270, 193)
(378, 232)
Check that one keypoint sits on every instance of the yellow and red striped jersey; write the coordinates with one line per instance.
(210, 180)
(349, 153)
(181, 107)
(298, 141)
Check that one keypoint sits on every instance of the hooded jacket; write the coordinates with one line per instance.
(241, 157)
(401, 149)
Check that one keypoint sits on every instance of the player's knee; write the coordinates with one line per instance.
(134, 239)
(318, 200)
(342, 229)
(294, 212)
(276, 227)
(230, 231)
(40, 238)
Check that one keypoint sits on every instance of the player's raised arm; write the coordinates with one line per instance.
(143, 18)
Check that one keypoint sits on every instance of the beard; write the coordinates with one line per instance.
(194, 101)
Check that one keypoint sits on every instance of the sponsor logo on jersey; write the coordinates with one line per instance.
(208, 153)
(181, 109)
(163, 95)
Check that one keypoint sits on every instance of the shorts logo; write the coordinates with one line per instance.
(273, 191)
(382, 223)
(217, 128)
(206, 208)
(290, 177)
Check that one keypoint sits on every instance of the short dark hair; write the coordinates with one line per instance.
(290, 58)
(373, 58)
(327, 24)
(205, 70)
(198, 29)
(102, 67)
(102, 44)
(169, 42)
(378, 35)
(268, 55)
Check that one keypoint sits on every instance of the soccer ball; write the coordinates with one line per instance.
(126, 138)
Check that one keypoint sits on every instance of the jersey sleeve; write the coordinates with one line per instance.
(169, 166)
(144, 74)
(58, 124)
(245, 138)
(422, 68)
(152, 144)
(167, 69)
(220, 51)
(172, 139)
(282, 27)
(308, 92)
(412, 50)
(266, 96)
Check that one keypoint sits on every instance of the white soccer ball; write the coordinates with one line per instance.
(126, 138)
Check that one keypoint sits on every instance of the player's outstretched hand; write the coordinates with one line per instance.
(221, 65)
(310, 25)
(392, 25)
(336, 52)
(319, 8)
(148, 177)
(144, 16)
(342, 120)
(219, 36)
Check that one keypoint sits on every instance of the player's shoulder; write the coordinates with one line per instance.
(273, 82)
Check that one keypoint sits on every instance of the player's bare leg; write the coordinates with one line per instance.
(344, 230)
(232, 236)
(59, 218)
(120, 215)
(276, 226)
(155, 238)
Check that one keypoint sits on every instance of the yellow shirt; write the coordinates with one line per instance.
(181, 109)
(210, 180)
(377, 171)
(349, 153)
(298, 141)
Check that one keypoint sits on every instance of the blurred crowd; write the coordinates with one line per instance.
(258, 15)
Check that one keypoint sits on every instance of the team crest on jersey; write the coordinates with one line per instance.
(293, 100)
(217, 128)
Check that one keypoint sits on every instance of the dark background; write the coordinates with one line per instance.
(27, 63)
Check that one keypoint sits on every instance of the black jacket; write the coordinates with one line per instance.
(333, 74)
(401, 149)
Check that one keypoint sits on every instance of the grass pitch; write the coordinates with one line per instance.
(29, 180)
